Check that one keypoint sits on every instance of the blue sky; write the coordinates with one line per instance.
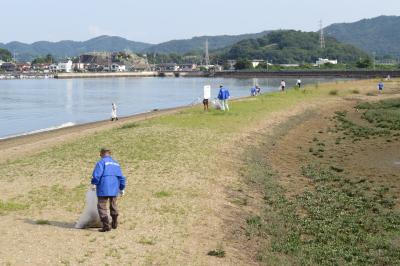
(163, 20)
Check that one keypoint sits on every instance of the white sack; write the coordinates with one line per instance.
(90, 216)
(216, 104)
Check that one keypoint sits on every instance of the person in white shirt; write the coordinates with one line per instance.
(114, 112)
(283, 85)
(298, 83)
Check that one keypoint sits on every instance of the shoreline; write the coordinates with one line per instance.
(12, 146)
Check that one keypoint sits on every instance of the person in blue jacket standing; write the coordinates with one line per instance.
(223, 97)
(109, 182)
(380, 87)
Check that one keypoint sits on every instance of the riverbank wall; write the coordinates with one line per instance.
(321, 73)
(131, 74)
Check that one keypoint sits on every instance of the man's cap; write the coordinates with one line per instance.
(104, 150)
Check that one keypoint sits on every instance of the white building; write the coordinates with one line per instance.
(118, 67)
(255, 62)
(323, 61)
(65, 67)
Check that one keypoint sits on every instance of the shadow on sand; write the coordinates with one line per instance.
(51, 223)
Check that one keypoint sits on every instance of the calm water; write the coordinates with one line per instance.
(28, 106)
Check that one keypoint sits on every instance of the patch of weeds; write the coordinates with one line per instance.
(65, 262)
(254, 225)
(355, 91)
(355, 131)
(333, 92)
(113, 252)
(11, 206)
(129, 126)
(370, 94)
(42, 222)
(336, 169)
(146, 241)
(219, 252)
(162, 194)
(242, 201)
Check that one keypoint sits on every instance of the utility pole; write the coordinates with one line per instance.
(374, 61)
(207, 55)
(321, 35)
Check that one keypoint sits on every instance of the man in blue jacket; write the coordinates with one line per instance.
(109, 183)
(223, 97)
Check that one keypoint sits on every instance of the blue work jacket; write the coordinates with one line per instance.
(223, 94)
(108, 178)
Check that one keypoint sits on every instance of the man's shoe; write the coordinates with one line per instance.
(114, 223)
(104, 229)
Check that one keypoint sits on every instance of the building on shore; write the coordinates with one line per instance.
(118, 67)
(324, 61)
(256, 62)
(168, 67)
(65, 66)
(8, 67)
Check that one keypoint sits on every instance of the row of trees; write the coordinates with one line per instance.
(5, 55)
(365, 63)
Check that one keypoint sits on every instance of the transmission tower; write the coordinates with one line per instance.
(321, 35)
(207, 55)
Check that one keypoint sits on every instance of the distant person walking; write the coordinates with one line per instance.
(206, 96)
(298, 83)
(109, 182)
(114, 112)
(253, 91)
(283, 85)
(258, 90)
(380, 87)
(223, 97)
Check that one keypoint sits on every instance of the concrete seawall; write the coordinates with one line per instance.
(131, 74)
(106, 75)
(326, 73)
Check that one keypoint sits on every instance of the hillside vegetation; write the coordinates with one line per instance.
(5, 55)
(198, 43)
(380, 35)
(284, 47)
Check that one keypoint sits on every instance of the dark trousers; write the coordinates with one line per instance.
(102, 208)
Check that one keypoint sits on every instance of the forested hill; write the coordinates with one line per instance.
(198, 43)
(380, 34)
(285, 47)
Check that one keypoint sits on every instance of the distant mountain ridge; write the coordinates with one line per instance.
(380, 35)
(73, 48)
(114, 44)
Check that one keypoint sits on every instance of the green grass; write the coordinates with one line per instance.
(162, 194)
(11, 206)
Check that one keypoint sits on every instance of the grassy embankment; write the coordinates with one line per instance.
(176, 166)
